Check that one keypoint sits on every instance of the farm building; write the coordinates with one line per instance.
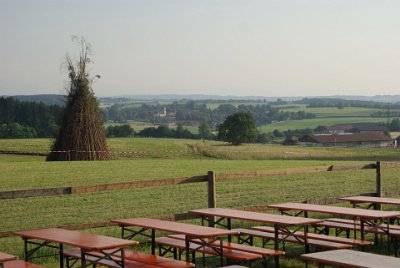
(372, 139)
(365, 128)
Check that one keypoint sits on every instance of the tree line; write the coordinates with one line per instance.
(189, 111)
(27, 119)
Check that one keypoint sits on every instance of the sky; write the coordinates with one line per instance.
(220, 47)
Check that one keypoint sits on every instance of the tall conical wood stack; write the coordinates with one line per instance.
(81, 135)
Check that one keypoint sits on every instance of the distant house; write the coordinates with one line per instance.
(372, 140)
(357, 128)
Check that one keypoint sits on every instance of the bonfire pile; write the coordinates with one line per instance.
(81, 135)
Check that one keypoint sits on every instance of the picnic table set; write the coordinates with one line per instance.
(84, 249)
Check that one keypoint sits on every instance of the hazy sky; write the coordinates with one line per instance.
(224, 47)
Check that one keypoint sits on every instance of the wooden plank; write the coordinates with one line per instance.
(35, 193)
(265, 173)
(136, 184)
(99, 188)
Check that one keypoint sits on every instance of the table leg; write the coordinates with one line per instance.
(83, 259)
(61, 252)
(153, 241)
(122, 258)
(187, 244)
(362, 231)
(221, 247)
(25, 249)
(306, 245)
(229, 223)
(276, 244)
(389, 238)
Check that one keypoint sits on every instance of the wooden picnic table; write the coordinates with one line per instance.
(372, 200)
(86, 242)
(352, 259)
(4, 257)
(190, 231)
(368, 217)
(280, 222)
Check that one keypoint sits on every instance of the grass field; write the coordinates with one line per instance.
(279, 152)
(175, 158)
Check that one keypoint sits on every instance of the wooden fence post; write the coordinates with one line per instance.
(212, 200)
(378, 183)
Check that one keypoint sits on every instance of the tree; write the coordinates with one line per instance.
(120, 131)
(204, 131)
(81, 135)
(238, 128)
(277, 133)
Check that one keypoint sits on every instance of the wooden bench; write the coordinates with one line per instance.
(20, 264)
(312, 242)
(265, 252)
(230, 254)
(343, 224)
(133, 259)
(323, 237)
(350, 258)
(391, 226)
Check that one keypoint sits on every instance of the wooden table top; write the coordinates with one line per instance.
(6, 257)
(280, 220)
(372, 199)
(190, 230)
(341, 211)
(84, 241)
(353, 259)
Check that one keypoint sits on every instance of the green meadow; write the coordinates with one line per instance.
(171, 158)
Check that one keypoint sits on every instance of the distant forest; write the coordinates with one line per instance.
(27, 119)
